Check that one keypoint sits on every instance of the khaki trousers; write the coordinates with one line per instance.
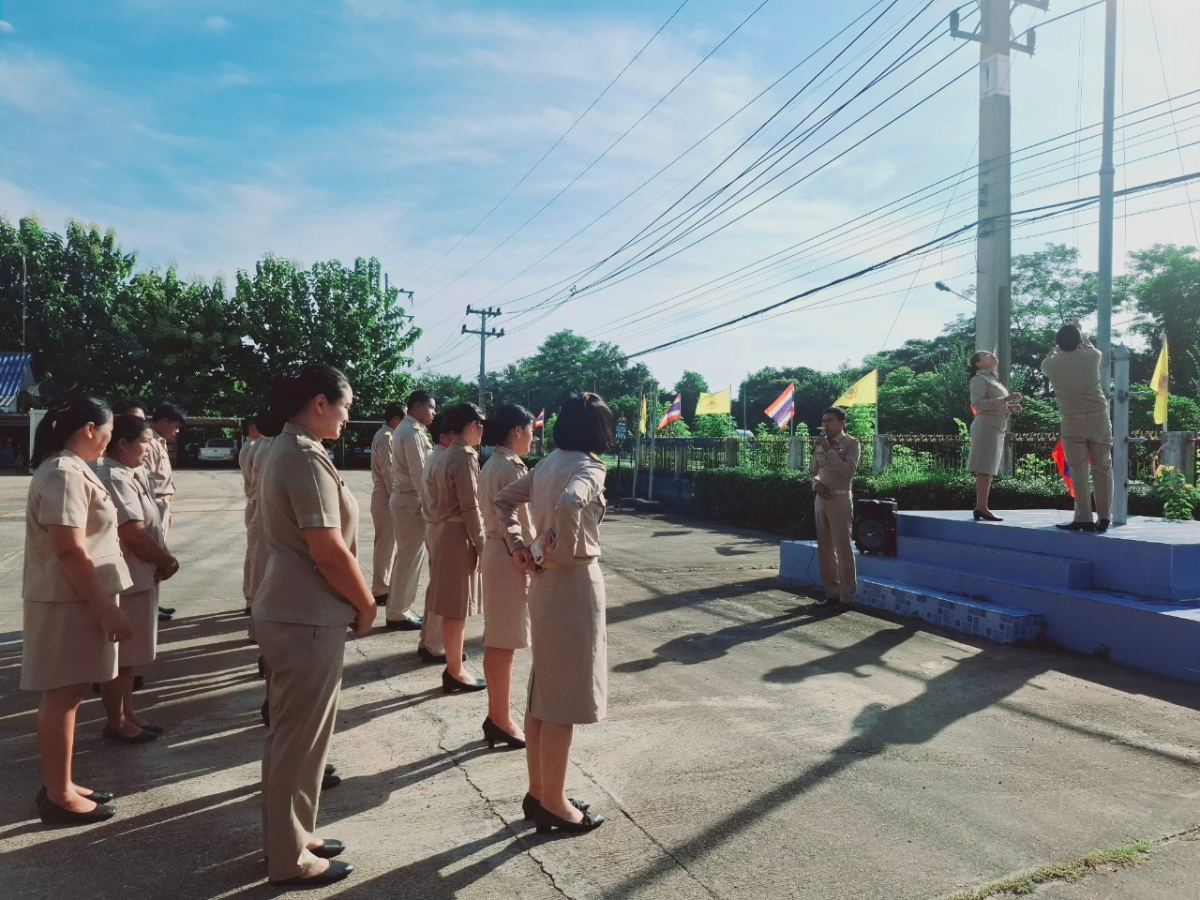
(305, 665)
(835, 517)
(251, 547)
(411, 553)
(383, 552)
(1079, 451)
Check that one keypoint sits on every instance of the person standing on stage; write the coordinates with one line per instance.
(411, 448)
(383, 555)
(1073, 368)
(992, 404)
(834, 462)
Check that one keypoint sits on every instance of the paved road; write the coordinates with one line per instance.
(751, 750)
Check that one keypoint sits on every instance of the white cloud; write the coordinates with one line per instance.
(216, 23)
(6, 27)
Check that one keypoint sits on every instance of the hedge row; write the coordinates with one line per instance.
(782, 502)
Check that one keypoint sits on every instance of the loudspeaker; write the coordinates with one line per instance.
(874, 528)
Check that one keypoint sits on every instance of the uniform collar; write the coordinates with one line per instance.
(299, 430)
(508, 454)
(459, 442)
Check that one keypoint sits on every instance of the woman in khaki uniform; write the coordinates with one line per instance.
(505, 584)
(455, 538)
(568, 683)
(992, 404)
(252, 438)
(144, 545)
(73, 575)
(311, 590)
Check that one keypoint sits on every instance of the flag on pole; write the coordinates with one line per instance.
(1064, 471)
(864, 392)
(715, 404)
(1159, 382)
(784, 407)
(674, 414)
(540, 421)
(642, 417)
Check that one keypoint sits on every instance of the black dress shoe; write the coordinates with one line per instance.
(426, 657)
(1075, 526)
(381, 599)
(493, 732)
(168, 610)
(164, 616)
(156, 729)
(329, 782)
(330, 768)
(531, 804)
(329, 849)
(94, 796)
(405, 624)
(144, 737)
(978, 515)
(53, 814)
(336, 872)
(547, 822)
(1102, 526)
(829, 604)
(451, 685)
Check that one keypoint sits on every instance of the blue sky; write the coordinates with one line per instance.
(210, 133)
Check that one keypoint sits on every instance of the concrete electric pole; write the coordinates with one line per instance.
(484, 333)
(993, 311)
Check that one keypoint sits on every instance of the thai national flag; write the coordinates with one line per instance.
(540, 421)
(784, 407)
(673, 414)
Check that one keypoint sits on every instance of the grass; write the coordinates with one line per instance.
(1069, 872)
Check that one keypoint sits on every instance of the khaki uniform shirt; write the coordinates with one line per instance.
(565, 493)
(1075, 377)
(410, 450)
(245, 461)
(158, 466)
(452, 490)
(499, 472)
(381, 461)
(130, 492)
(299, 488)
(835, 468)
(65, 491)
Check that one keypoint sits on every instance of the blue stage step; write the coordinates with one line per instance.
(974, 559)
(1001, 624)
(1147, 558)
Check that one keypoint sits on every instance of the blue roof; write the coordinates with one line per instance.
(12, 377)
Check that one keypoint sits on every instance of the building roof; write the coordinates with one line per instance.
(15, 376)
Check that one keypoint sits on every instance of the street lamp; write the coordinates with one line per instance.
(942, 286)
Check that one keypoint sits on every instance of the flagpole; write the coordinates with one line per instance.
(637, 460)
(653, 438)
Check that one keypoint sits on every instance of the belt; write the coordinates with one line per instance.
(839, 492)
(577, 561)
(448, 519)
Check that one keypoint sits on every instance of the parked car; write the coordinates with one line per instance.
(219, 450)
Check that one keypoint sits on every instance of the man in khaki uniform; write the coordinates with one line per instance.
(834, 462)
(1073, 368)
(384, 550)
(411, 448)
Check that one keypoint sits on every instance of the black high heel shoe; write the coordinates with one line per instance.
(94, 796)
(530, 804)
(548, 821)
(493, 732)
(53, 814)
(451, 685)
(986, 517)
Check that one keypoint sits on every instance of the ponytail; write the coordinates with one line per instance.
(290, 393)
(60, 424)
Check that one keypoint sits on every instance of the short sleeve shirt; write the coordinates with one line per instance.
(65, 491)
(134, 502)
(298, 488)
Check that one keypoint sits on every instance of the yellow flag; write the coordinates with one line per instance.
(863, 392)
(715, 404)
(642, 417)
(1159, 382)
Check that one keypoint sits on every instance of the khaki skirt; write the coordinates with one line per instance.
(141, 611)
(64, 644)
(453, 581)
(568, 683)
(987, 444)
(505, 599)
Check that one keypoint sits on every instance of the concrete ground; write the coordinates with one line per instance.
(751, 749)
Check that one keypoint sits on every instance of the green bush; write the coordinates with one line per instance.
(782, 502)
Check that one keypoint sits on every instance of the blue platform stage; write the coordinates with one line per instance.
(1132, 594)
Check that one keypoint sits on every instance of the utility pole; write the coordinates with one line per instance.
(993, 285)
(1107, 174)
(484, 333)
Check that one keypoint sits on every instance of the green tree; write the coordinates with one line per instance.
(690, 386)
(1167, 291)
(714, 426)
(448, 390)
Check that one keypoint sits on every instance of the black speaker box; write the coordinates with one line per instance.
(874, 528)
